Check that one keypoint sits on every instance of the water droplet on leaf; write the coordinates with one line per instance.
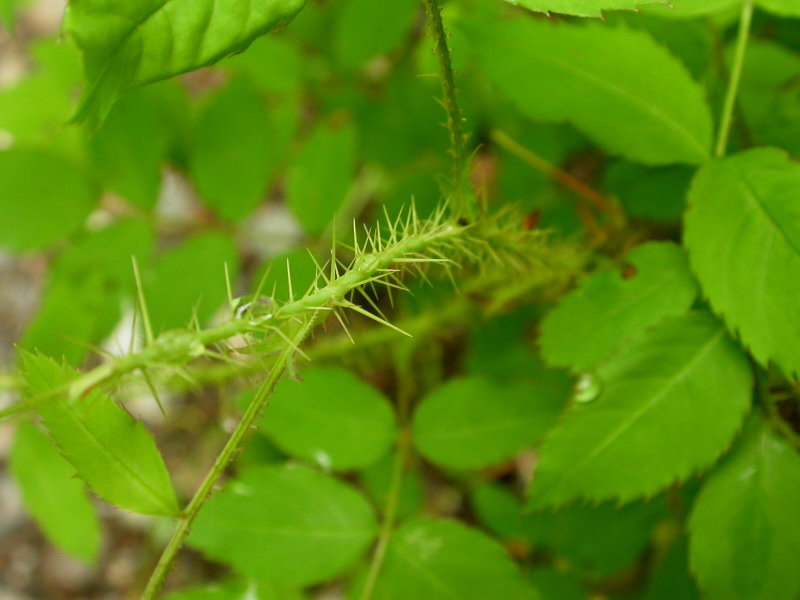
(587, 388)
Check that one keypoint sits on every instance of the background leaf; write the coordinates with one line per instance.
(744, 534)
(437, 559)
(320, 175)
(366, 29)
(189, 276)
(330, 417)
(114, 454)
(234, 154)
(743, 233)
(473, 422)
(683, 375)
(53, 495)
(611, 306)
(618, 86)
(43, 198)
(285, 525)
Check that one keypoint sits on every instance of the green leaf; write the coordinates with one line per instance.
(688, 9)
(582, 8)
(437, 559)
(320, 175)
(236, 590)
(670, 578)
(330, 417)
(598, 540)
(285, 525)
(473, 422)
(188, 277)
(53, 495)
(86, 289)
(743, 234)
(770, 95)
(114, 454)
(620, 88)
(129, 149)
(43, 198)
(33, 110)
(273, 63)
(683, 375)
(653, 194)
(130, 43)
(276, 272)
(365, 29)
(552, 583)
(745, 535)
(782, 8)
(611, 306)
(233, 152)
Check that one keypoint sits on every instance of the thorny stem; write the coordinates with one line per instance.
(364, 268)
(735, 77)
(178, 347)
(404, 392)
(461, 204)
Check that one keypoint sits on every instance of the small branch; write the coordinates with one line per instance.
(404, 392)
(586, 192)
(461, 203)
(735, 77)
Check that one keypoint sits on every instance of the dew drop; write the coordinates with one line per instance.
(587, 388)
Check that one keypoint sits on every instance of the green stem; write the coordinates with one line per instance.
(461, 204)
(364, 268)
(222, 461)
(404, 392)
(735, 77)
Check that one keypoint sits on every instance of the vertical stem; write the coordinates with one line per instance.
(404, 391)
(460, 207)
(222, 461)
(745, 20)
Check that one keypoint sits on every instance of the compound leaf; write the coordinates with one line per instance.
(330, 417)
(130, 43)
(114, 454)
(609, 307)
(618, 86)
(55, 498)
(743, 235)
(286, 525)
(684, 375)
(745, 536)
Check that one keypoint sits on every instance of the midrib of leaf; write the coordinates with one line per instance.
(615, 434)
(415, 564)
(752, 194)
(113, 52)
(141, 483)
(635, 100)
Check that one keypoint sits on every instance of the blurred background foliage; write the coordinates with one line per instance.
(279, 149)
